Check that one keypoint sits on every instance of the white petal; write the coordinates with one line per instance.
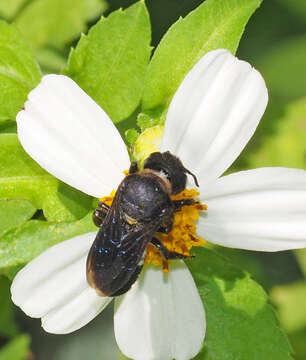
(76, 313)
(161, 317)
(262, 209)
(214, 113)
(71, 137)
(54, 287)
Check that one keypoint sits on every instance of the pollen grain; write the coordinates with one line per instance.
(108, 200)
(183, 236)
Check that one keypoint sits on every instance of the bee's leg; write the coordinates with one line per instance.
(178, 204)
(167, 254)
(166, 229)
(100, 213)
(133, 168)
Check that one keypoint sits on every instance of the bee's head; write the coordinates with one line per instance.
(171, 167)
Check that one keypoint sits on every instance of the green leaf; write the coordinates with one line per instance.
(57, 22)
(290, 300)
(8, 8)
(21, 177)
(245, 260)
(14, 212)
(214, 24)
(110, 62)
(287, 145)
(7, 127)
(17, 349)
(240, 321)
(19, 72)
(8, 327)
(21, 245)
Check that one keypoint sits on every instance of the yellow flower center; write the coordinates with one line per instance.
(182, 237)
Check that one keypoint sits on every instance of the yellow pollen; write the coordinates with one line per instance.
(182, 237)
(108, 200)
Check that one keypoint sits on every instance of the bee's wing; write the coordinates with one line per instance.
(116, 256)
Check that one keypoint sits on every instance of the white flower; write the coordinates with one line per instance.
(211, 118)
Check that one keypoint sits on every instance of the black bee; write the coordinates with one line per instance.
(141, 207)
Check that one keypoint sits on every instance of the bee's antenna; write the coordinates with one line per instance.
(194, 177)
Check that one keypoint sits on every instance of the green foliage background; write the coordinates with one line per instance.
(36, 206)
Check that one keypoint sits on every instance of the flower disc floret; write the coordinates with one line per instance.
(182, 237)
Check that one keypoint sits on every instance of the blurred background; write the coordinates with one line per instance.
(275, 43)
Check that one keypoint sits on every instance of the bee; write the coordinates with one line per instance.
(141, 207)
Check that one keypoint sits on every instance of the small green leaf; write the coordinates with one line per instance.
(19, 72)
(131, 136)
(290, 300)
(287, 145)
(110, 62)
(57, 22)
(14, 212)
(145, 121)
(17, 349)
(8, 327)
(22, 178)
(214, 24)
(21, 245)
(241, 324)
